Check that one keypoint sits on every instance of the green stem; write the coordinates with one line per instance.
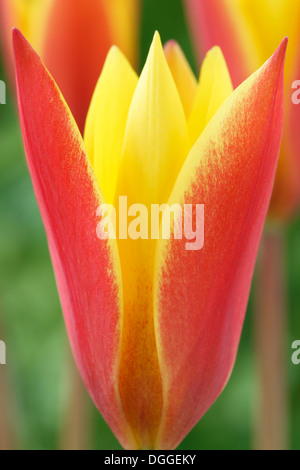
(270, 343)
(76, 428)
(7, 435)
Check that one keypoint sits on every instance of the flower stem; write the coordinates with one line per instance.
(7, 431)
(76, 429)
(270, 343)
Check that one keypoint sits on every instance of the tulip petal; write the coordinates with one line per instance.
(214, 88)
(77, 40)
(106, 121)
(182, 74)
(155, 147)
(156, 141)
(86, 268)
(201, 296)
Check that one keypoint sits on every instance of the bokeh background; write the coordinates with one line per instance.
(42, 405)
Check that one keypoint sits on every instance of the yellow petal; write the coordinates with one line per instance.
(155, 147)
(106, 121)
(183, 75)
(156, 141)
(214, 88)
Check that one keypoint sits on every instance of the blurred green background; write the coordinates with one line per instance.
(35, 384)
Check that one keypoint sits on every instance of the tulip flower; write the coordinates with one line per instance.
(154, 327)
(248, 31)
(73, 38)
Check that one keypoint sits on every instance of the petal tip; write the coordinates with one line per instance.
(171, 45)
(281, 50)
(173, 51)
(114, 53)
(277, 60)
(156, 52)
(215, 52)
(19, 41)
(156, 40)
(16, 35)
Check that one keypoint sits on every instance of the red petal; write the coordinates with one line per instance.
(86, 268)
(202, 295)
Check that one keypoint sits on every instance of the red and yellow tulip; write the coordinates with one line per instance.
(73, 37)
(154, 328)
(248, 31)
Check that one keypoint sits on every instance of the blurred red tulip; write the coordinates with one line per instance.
(73, 38)
(248, 31)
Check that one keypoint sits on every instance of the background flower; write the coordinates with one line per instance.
(73, 38)
(247, 30)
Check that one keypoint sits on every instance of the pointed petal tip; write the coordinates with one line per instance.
(114, 53)
(21, 48)
(156, 49)
(16, 31)
(115, 57)
(277, 60)
(156, 40)
(171, 45)
(215, 53)
(215, 50)
(281, 50)
(173, 51)
(19, 41)
(16, 35)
